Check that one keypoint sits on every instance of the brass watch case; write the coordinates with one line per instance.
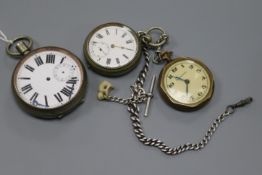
(178, 105)
(61, 111)
(112, 71)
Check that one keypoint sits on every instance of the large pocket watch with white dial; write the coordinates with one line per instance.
(112, 49)
(186, 83)
(48, 82)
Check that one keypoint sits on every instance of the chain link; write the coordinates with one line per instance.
(133, 109)
(139, 96)
(138, 130)
(138, 93)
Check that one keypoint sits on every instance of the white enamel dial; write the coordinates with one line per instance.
(48, 79)
(113, 46)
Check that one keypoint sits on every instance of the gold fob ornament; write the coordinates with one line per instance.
(185, 83)
(112, 49)
(48, 82)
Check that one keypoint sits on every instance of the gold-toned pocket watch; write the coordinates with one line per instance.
(112, 49)
(186, 83)
(48, 82)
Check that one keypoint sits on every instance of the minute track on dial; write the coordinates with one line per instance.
(120, 52)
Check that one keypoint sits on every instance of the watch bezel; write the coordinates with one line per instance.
(182, 106)
(57, 112)
(112, 71)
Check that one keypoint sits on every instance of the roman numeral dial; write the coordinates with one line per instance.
(67, 91)
(30, 68)
(39, 61)
(50, 58)
(112, 46)
(27, 88)
(48, 78)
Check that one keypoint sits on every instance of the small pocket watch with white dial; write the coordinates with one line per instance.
(48, 82)
(186, 83)
(112, 49)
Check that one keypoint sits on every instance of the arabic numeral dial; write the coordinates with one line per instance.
(187, 83)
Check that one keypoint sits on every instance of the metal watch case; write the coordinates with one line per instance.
(112, 71)
(54, 113)
(178, 105)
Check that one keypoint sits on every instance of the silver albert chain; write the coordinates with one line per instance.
(139, 96)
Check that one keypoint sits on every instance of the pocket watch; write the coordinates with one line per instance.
(112, 49)
(186, 83)
(48, 82)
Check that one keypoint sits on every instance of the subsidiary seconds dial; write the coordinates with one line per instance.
(112, 49)
(49, 82)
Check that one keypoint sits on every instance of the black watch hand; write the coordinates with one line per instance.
(187, 83)
(179, 78)
(187, 89)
